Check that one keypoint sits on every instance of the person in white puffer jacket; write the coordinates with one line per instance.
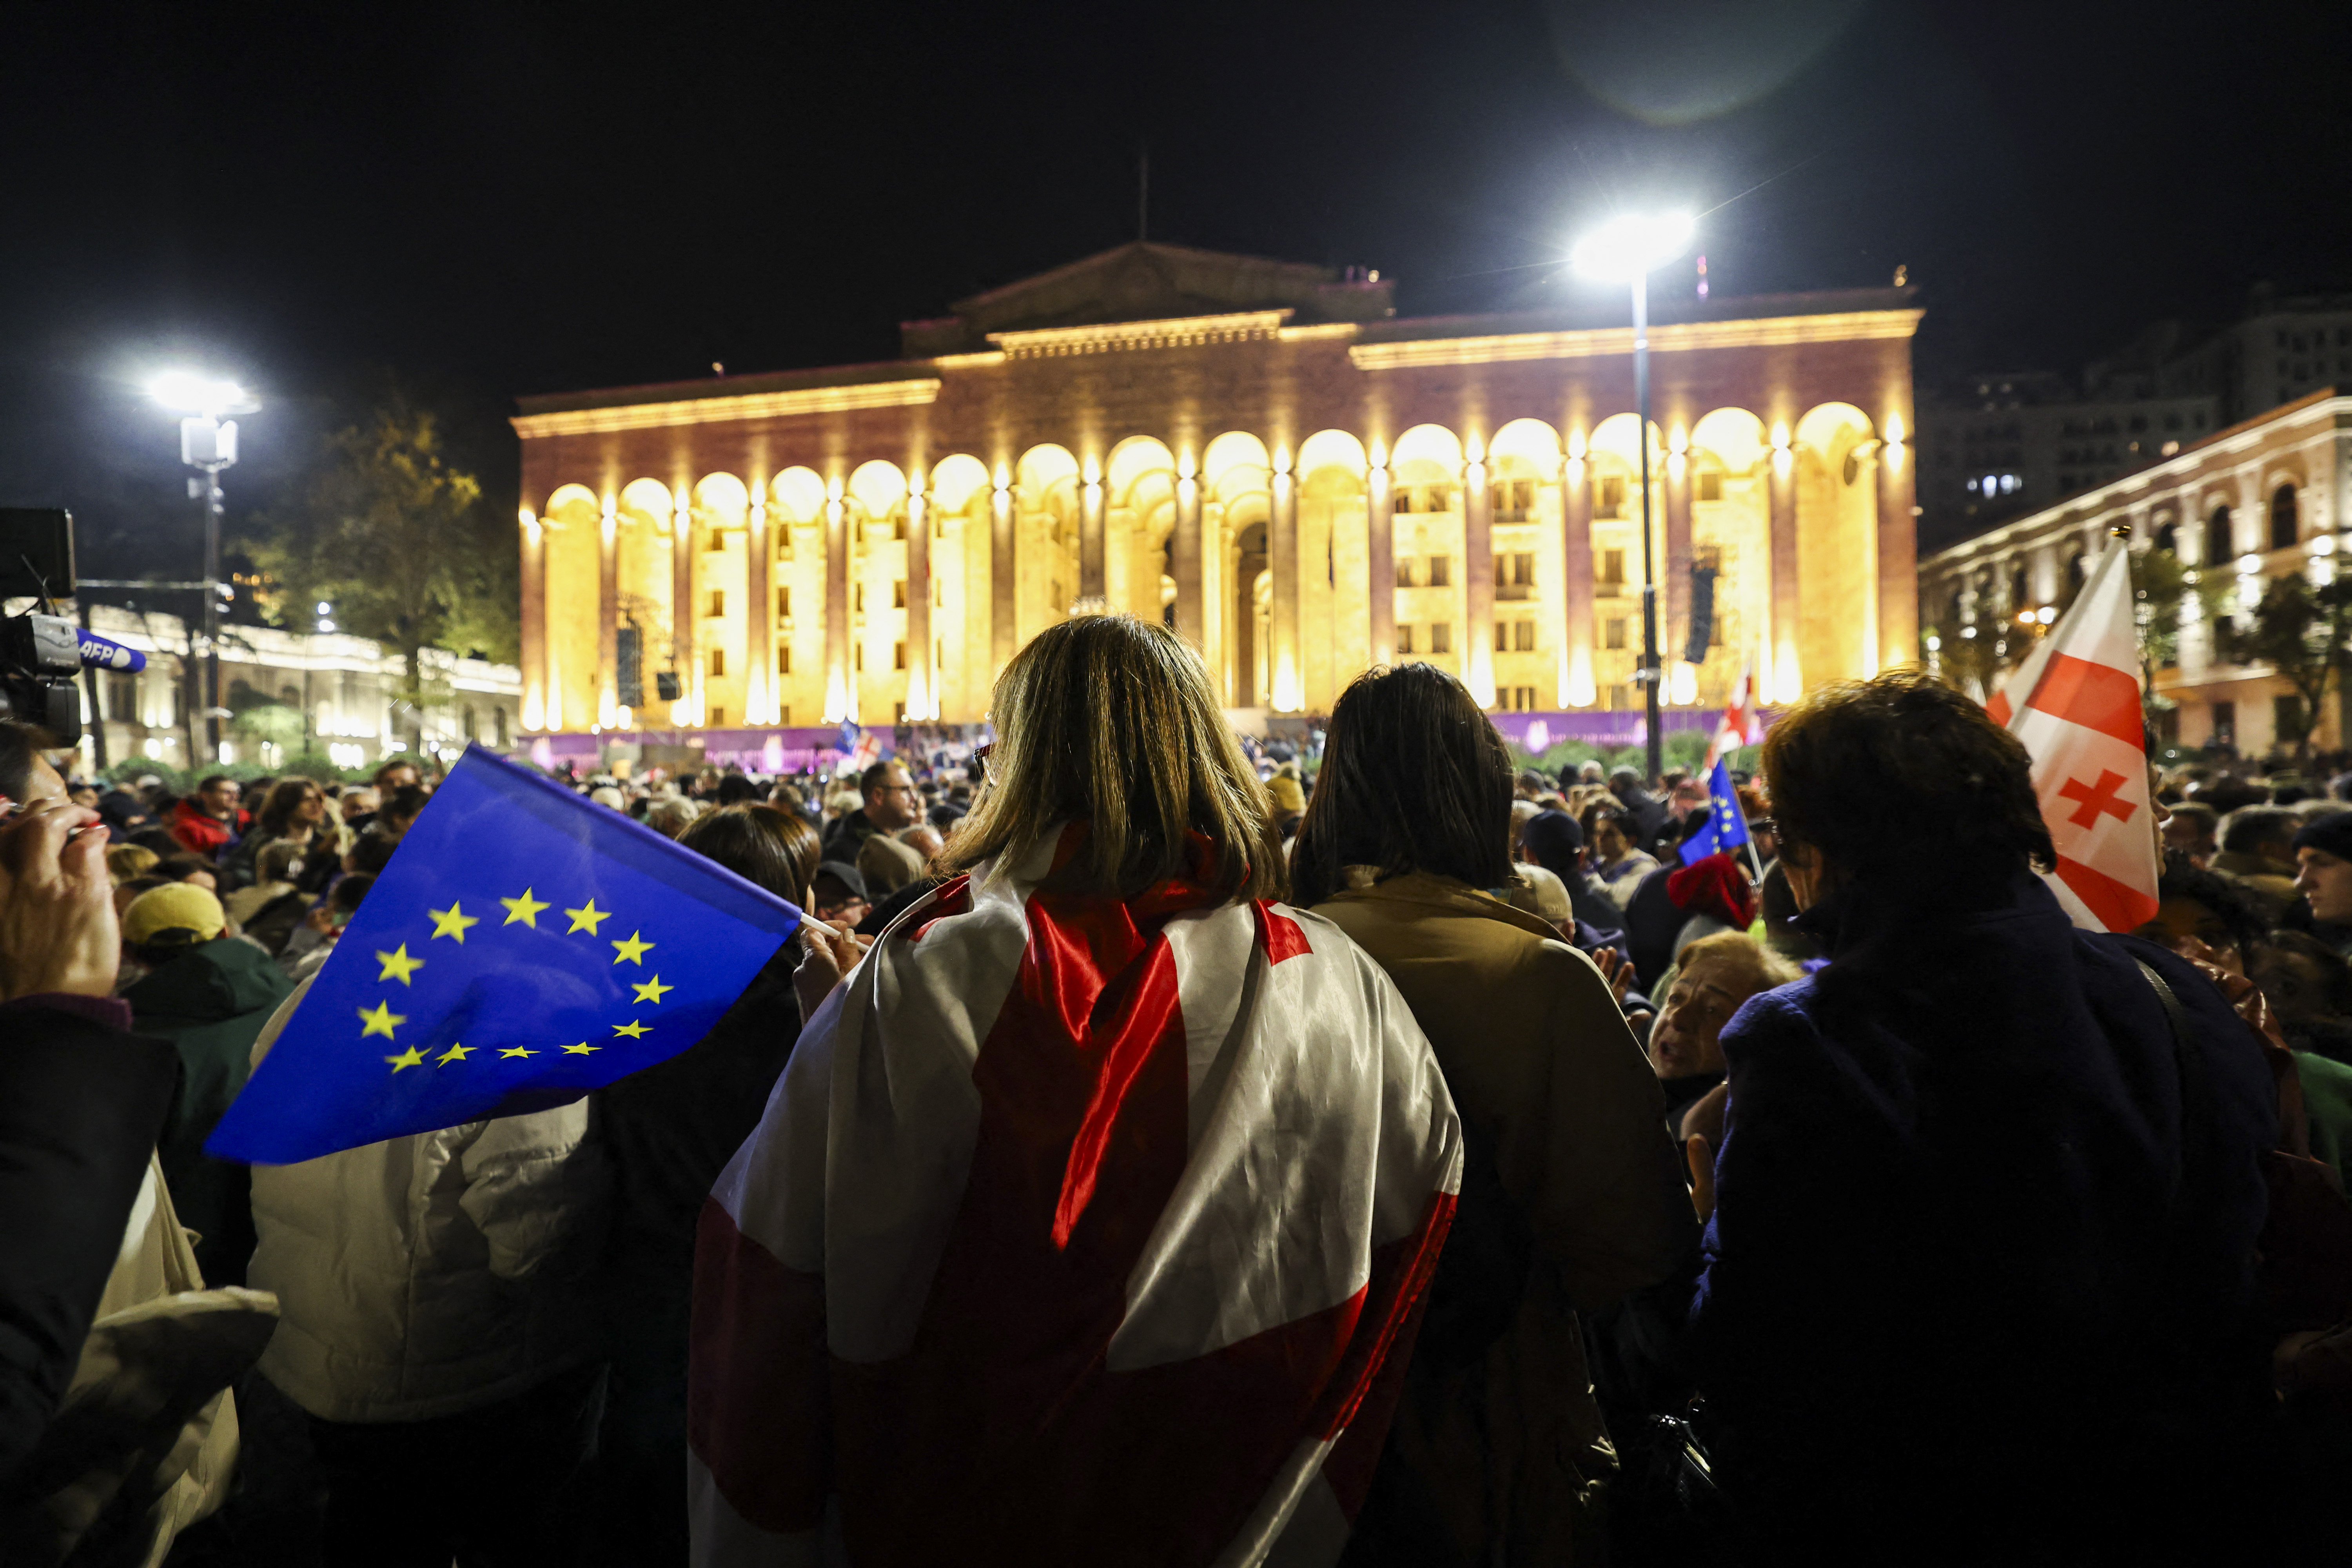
(435, 1328)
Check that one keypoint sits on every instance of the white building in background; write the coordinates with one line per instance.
(2261, 499)
(287, 692)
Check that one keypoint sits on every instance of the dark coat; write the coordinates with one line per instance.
(669, 1131)
(1937, 1276)
(210, 1002)
(80, 1105)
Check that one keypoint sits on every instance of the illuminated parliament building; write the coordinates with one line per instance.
(1300, 483)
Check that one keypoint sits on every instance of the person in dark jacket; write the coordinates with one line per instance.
(668, 1132)
(1969, 1293)
(81, 1099)
(209, 995)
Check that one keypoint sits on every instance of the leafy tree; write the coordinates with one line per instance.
(393, 534)
(2303, 633)
(2161, 585)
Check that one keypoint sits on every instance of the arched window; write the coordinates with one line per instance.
(2168, 539)
(2284, 528)
(2216, 537)
(2077, 568)
(2017, 586)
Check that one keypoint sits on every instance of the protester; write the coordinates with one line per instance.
(323, 926)
(2322, 875)
(2258, 849)
(436, 1331)
(296, 810)
(1647, 812)
(669, 1131)
(1952, 1309)
(1714, 975)
(94, 1327)
(82, 1100)
(267, 912)
(1020, 1265)
(1669, 911)
(837, 894)
(2194, 829)
(1571, 1193)
(885, 803)
(209, 994)
(190, 868)
(358, 807)
(124, 861)
(1618, 865)
(209, 821)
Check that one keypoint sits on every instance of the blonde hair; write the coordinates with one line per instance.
(1761, 968)
(1111, 720)
(125, 861)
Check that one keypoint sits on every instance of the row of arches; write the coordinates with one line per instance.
(1515, 558)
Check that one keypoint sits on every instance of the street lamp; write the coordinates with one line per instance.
(1627, 251)
(207, 443)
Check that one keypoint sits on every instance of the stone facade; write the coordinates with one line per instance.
(2248, 503)
(1301, 484)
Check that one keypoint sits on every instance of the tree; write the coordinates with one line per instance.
(395, 536)
(2305, 634)
(2161, 587)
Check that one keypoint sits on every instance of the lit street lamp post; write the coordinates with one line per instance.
(1627, 251)
(208, 444)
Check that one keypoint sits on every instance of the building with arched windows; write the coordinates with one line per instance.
(1298, 481)
(2217, 521)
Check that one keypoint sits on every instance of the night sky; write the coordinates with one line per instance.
(492, 200)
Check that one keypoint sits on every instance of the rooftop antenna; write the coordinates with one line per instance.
(1143, 192)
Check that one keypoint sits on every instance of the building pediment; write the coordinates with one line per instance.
(1149, 282)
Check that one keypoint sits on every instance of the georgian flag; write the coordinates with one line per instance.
(1077, 1231)
(1742, 724)
(2075, 703)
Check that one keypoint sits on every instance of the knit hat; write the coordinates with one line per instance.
(1714, 885)
(1288, 797)
(2331, 834)
(181, 912)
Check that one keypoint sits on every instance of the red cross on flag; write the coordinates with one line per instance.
(2075, 703)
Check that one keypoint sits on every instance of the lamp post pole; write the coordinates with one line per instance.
(208, 445)
(1652, 668)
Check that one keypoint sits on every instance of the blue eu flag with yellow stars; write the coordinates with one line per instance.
(1727, 824)
(524, 946)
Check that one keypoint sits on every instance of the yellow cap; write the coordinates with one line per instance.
(1287, 795)
(182, 907)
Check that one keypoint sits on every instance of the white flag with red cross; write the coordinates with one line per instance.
(2075, 703)
(1742, 724)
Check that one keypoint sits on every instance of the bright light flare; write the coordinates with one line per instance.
(1627, 247)
(184, 392)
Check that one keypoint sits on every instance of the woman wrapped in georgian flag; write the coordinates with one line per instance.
(1091, 1221)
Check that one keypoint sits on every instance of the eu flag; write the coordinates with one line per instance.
(1727, 824)
(524, 946)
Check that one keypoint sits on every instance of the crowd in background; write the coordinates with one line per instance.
(1840, 1158)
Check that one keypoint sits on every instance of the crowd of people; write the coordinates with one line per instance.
(1827, 1197)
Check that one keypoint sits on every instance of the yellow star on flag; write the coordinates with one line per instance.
(651, 990)
(582, 1050)
(398, 965)
(456, 1053)
(633, 1029)
(518, 1051)
(452, 922)
(634, 950)
(587, 917)
(410, 1058)
(525, 909)
(381, 1020)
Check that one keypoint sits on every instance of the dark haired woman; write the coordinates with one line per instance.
(1572, 1195)
(668, 1132)
(1969, 1293)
